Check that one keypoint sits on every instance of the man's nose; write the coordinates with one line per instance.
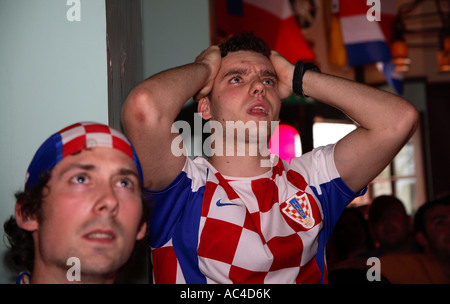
(257, 88)
(107, 201)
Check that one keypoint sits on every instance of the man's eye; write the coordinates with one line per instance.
(269, 82)
(79, 179)
(125, 183)
(235, 80)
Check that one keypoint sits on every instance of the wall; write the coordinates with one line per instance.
(53, 73)
(174, 33)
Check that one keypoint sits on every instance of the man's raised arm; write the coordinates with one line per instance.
(152, 107)
(385, 121)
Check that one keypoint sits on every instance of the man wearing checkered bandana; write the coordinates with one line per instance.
(82, 208)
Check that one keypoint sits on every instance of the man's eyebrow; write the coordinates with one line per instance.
(124, 171)
(91, 167)
(265, 73)
(439, 217)
(235, 72)
(86, 167)
(269, 73)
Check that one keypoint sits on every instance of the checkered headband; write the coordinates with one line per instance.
(73, 139)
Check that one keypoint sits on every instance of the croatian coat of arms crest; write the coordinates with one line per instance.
(298, 208)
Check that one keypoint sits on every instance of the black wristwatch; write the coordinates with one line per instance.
(297, 80)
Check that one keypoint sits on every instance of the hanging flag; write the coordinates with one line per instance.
(368, 42)
(364, 40)
(393, 77)
(273, 21)
(337, 55)
(388, 15)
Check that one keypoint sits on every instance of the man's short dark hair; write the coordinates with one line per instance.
(245, 41)
(21, 253)
(382, 204)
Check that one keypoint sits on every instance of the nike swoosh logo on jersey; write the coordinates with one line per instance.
(220, 204)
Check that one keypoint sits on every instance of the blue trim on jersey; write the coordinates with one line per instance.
(185, 240)
(169, 208)
(320, 255)
(178, 214)
(332, 211)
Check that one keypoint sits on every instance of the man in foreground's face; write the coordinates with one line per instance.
(91, 210)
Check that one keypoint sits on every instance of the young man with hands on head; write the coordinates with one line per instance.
(228, 219)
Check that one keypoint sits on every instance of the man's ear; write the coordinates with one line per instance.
(28, 223)
(142, 231)
(204, 108)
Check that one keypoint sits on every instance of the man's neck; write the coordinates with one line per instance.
(242, 158)
(240, 166)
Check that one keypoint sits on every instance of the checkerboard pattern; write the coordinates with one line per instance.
(87, 135)
(209, 228)
(72, 139)
(249, 239)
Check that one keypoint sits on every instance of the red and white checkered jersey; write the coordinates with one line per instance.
(209, 228)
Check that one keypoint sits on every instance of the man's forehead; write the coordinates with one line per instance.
(96, 156)
(246, 58)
